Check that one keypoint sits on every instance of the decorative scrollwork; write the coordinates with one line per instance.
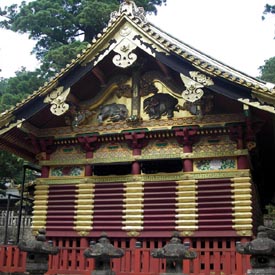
(201, 78)
(125, 56)
(194, 85)
(57, 99)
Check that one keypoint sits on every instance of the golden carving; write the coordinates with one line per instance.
(186, 233)
(194, 86)
(82, 233)
(57, 100)
(18, 123)
(251, 145)
(167, 124)
(244, 232)
(258, 105)
(133, 233)
(162, 148)
(112, 152)
(201, 78)
(125, 56)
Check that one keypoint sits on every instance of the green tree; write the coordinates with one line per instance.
(15, 89)
(11, 170)
(267, 71)
(59, 26)
(268, 9)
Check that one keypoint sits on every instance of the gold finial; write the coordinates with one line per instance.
(130, 8)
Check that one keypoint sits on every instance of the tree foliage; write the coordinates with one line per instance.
(11, 170)
(267, 71)
(15, 89)
(59, 26)
(269, 9)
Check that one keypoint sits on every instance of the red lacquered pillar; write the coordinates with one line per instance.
(136, 164)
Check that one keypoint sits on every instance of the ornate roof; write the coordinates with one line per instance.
(127, 34)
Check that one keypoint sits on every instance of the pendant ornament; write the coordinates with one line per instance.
(57, 100)
(125, 56)
(194, 85)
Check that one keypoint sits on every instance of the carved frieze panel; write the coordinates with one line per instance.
(215, 144)
(158, 149)
(68, 153)
(112, 152)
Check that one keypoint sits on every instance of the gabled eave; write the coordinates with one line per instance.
(162, 44)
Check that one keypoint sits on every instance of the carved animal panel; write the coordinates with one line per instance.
(113, 112)
(160, 105)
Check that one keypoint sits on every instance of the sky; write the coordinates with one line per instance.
(229, 31)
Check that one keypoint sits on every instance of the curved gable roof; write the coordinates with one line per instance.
(156, 43)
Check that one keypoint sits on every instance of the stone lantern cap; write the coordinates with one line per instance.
(175, 249)
(39, 245)
(103, 248)
(262, 245)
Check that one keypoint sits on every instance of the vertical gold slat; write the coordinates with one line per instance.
(242, 205)
(133, 207)
(40, 207)
(187, 217)
(83, 220)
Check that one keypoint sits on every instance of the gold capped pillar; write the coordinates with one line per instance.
(186, 137)
(43, 149)
(136, 141)
(237, 134)
(89, 144)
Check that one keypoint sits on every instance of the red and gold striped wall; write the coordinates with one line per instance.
(211, 207)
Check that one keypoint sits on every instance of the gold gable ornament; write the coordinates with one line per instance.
(57, 99)
(125, 56)
(194, 85)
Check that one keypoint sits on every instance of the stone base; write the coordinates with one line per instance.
(261, 271)
(103, 272)
(34, 268)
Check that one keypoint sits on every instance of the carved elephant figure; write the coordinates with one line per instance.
(113, 112)
(159, 105)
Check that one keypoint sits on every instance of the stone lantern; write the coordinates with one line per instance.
(262, 251)
(103, 252)
(174, 252)
(38, 251)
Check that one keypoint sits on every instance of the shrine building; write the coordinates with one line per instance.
(142, 135)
